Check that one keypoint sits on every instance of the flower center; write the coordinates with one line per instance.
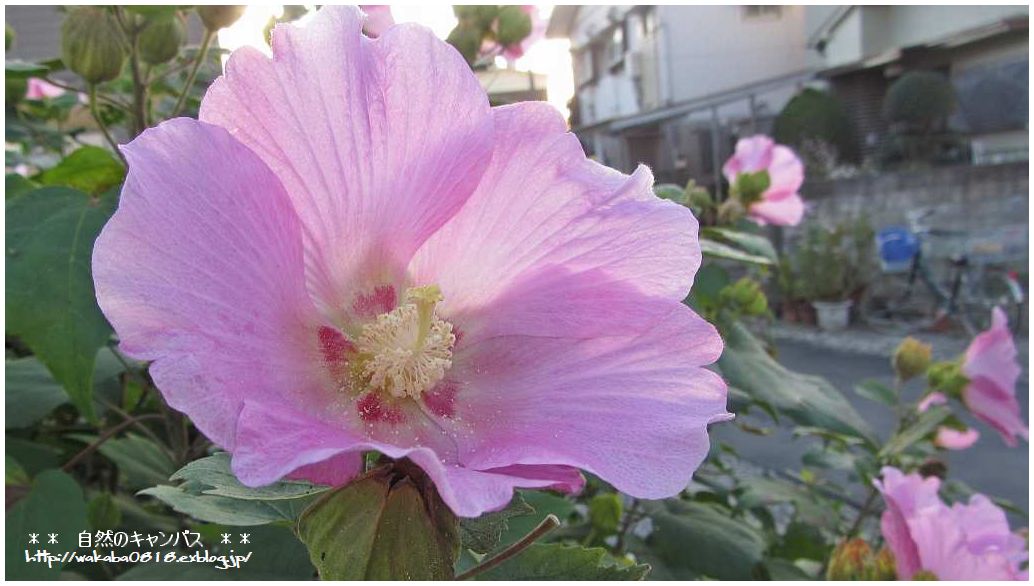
(407, 350)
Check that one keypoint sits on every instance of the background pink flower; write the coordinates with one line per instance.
(351, 251)
(955, 439)
(991, 367)
(779, 204)
(962, 542)
(38, 89)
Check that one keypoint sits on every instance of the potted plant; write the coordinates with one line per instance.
(834, 266)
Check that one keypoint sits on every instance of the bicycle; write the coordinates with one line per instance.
(976, 282)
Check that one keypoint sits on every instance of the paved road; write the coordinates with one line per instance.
(989, 466)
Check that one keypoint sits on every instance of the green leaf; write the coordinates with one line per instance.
(555, 561)
(483, 534)
(693, 540)
(605, 512)
(759, 490)
(15, 185)
(924, 425)
(51, 303)
(754, 244)
(16, 69)
(14, 473)
(54, 505)
(371, 529)
(877, 391)
(141, 462)
(214, 472)
(34, 456)
(671, 192)
(90, 169)
(224, 510)
(808, 400)
(31, 392)
(103, 513)
(722, 251)
(544, 504)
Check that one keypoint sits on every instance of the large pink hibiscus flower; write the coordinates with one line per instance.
(351, 251)
(967, 541)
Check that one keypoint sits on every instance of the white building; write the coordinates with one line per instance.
(672, 86)
(982, 49)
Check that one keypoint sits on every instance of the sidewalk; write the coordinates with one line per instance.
(866, 340)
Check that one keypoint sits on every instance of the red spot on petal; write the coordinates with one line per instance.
(382, 300)
(441, 400)
(372, 408)
(334, 346)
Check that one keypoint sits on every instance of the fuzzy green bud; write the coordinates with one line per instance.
(161, 39)
(92, 44)
(947, 378)
(924, 576)
(514, 25)
(217, 17)
(884, 568)
(911, 359)
(746, 296)
(851, 560)
(8, 36)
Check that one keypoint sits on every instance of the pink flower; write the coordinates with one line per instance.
(351, 251)
(955, 439)
(378, 19)
(934, 398)
(962, 542)
(778, 202)
(39, 89)
(991, 367)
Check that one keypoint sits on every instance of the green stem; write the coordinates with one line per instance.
(202, 53)
(100, 124)
(548, 524)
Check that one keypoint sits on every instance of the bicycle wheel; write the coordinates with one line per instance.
(993, 290)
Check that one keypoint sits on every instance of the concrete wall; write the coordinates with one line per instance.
(989, 202)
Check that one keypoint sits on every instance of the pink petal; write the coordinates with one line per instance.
(787, 211)
(200, 270)
(632, 409)
(953, 439)
(905, 496)
(992, 354)
(378, 142)
(274, 441)
(996, 407)
(378, 19)
(752, 154)
(542, 203)
(785, 174)
(38, 89)
(934, 398)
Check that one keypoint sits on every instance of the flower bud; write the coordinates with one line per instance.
(8, 36)
(746, 296)
(924, 576)
(911, 359)
(851, 560)
(217, 17)
(161, 39)
(884, 567)
(947, 378)
(731, 211)
(514, 25)
(92, 44)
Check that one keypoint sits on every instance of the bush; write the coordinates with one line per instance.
(814, 115)
(919, 102)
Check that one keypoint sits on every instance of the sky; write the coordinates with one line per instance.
(551, 57)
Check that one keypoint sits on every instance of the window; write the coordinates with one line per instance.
(649, 21)
(584, 66)
(617, 45)
(762, 12)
